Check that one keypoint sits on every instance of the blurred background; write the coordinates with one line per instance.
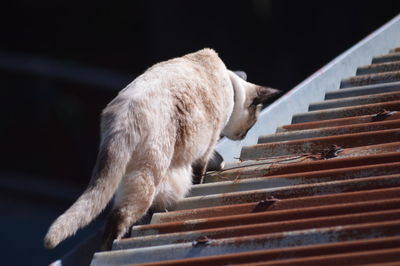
(62, 62)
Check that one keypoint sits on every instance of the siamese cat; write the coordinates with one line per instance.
(161, 124)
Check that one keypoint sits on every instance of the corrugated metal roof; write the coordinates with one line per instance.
(323, 190)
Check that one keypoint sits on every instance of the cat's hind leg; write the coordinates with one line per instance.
(135, 196)
(175, 186)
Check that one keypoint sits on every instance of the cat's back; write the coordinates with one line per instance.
(196, 85)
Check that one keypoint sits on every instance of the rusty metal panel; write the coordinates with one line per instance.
(289, 192)
(395, 50)
(386, 58)
(368, 109)
(335, 122)
(281, 204)
(383, 257)
(267, 217)
(362, 90)
(356, 100)
(370, 79)
(242, 184)
(317, 145)
(288, 253)
(377, 68)
(375, 154)
(255, 227)
(249, 243)
(329, 131)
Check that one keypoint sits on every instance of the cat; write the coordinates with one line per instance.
(168, 119)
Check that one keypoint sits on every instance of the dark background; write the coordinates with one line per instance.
(61, 62)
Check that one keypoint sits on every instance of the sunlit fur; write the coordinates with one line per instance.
(154, 130)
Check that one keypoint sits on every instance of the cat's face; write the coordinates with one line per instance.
(248, 103)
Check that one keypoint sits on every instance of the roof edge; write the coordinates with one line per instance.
(314, 87)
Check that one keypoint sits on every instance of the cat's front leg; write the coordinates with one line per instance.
(199, 171)
(200, 168)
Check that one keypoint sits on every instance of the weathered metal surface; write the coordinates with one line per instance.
(266, 216)
(281, 204)
(363, 90)
(315, 145)
(384, 257)
(386, 58)
(242, 184)
(394, 50)
(329, 131)
(378, 68)
(288, 253)
(370, 79)
(375, 154)
(342, 112)
(249, 243)
(257, 227)
(356, 100)
(289, 192)
(335, 122)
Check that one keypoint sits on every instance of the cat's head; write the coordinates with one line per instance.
(249, 99)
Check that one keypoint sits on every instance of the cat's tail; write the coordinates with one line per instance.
(113, 157)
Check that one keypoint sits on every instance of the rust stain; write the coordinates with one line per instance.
(369, 79)
(367, 109)
(282, 204)
(288, 253)
(282, 218)
(313, 145)
(380, 67)
(385, 153)
(337, 122)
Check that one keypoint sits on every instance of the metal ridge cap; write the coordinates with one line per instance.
(313, 88)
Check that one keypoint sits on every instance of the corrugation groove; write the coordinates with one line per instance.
(277, 168)
(363, 90)
(386, 58)
(243, 184)
(333, 113)
(377, 68)
(281, 204)
(335, 122)
(370, 79)
(250, 243)
(354, 258)
(295, 198)
(289, 192)
(356, 100)
(315, 145)
(395, 50)
(259, 228)
(267, 216)
(288, 253)
(330, 131)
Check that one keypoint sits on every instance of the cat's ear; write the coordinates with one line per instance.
(241, 74)
(263, 94)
